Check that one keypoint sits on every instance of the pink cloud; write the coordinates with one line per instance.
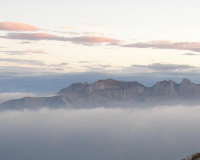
(15, 26)
(192, 46)
(85, 40)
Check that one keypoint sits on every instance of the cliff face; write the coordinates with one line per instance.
(102, 91)
(110, 92)
(78, 90)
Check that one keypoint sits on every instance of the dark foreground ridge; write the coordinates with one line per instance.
(193, 157)
(112, 93)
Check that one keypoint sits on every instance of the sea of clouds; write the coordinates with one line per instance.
(159, 133)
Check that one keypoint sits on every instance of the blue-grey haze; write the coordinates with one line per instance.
(50, 84)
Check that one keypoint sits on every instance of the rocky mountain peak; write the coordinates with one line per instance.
(171, 81)
(164, 90)
(186, 81)
(188, 90)
(162, 83)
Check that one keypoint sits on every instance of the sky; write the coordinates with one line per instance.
(47, 45)
(50, 38)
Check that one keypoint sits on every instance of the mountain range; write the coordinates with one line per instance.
(113, 93)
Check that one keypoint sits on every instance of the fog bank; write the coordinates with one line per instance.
(160, 133)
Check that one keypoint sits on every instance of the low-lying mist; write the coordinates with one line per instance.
(159, 133)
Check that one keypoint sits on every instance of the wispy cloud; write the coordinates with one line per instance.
(165, 67)
(60, 65)
(87, 39)
(26, 42)
(84, 62)
(114, 44)
(190, 54)
(84, 40)
(100, 66)
(57, 69)
(34, 63)
(26, 52)
(16, 26)
(14, 70)
(82, 33)
(70, 33)
(23, 61)
(192, 46)
(64, 64)
(162, 68)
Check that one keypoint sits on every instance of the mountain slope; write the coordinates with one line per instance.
(37, 102)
